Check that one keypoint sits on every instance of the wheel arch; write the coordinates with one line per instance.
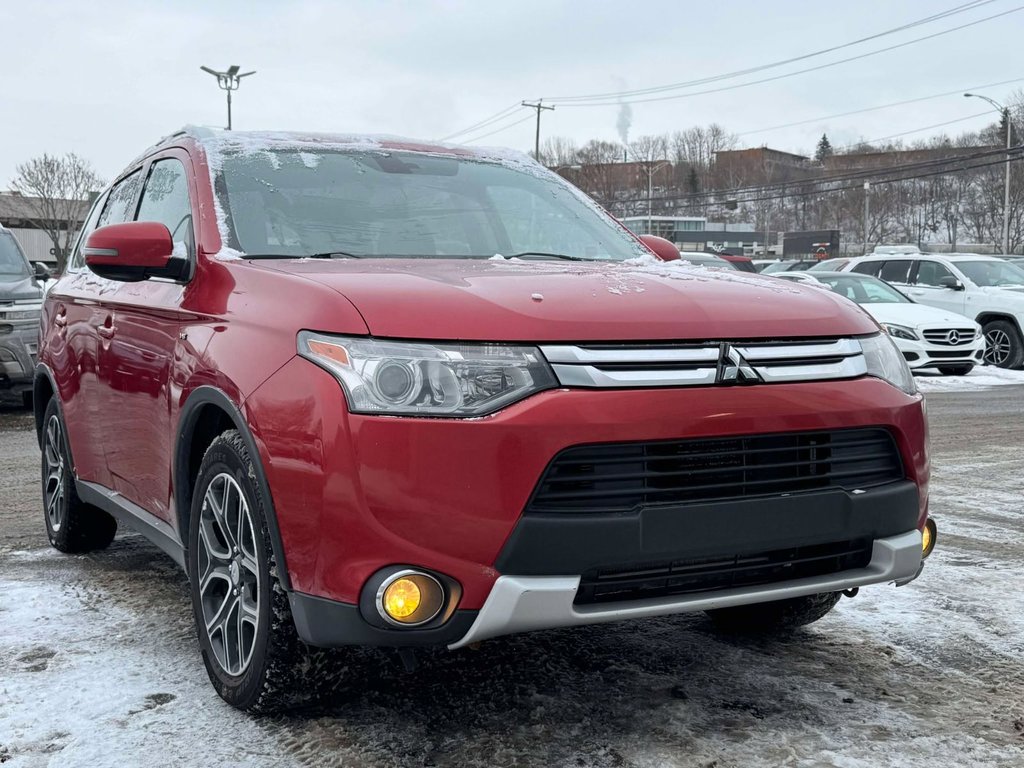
(988, 317)
(43, 390)
(208, 412)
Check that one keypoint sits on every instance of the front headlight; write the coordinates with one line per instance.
(900, 331)
(420, 379)
(886, 362)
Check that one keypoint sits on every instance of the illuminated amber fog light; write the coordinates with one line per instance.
(928, 537)
(409, 598)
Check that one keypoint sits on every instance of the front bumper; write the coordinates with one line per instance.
(923, 354)
(526, 603)
(19, 345)
(354, 494)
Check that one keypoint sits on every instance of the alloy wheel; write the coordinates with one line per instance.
(229, 576)
(997, 349)
(53, 456)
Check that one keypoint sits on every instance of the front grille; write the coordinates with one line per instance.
(941, 336)
(683, 577)
(618, 477)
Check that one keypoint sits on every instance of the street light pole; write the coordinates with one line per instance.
(650, 168)
(867, 209)
(1005, 111)
(228, 81)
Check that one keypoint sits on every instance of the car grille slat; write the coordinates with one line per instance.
(941, 336)
(620, 477)
(653, 580)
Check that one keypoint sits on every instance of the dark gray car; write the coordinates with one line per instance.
(21, 298)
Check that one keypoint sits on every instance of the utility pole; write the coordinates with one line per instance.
(536, 142)
(767, 226)
(867, 209)
(228, 81)
(1005, 112)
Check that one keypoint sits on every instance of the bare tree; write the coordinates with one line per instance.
(58, 190)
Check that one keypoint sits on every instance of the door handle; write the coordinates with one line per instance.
(61, 318)
(107, 329)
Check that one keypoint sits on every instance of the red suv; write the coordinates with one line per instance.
(381, 393)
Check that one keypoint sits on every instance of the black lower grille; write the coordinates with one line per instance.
(682, 577)
(617, 477)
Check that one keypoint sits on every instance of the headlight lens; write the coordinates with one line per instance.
(900, 331)
(886, 362)
(414, 379)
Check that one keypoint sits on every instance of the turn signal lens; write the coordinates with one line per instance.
(401, 599)
(928, 537)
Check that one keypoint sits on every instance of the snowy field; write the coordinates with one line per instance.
(982, 377)
(99, 664)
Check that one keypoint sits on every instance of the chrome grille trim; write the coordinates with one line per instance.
(608, 366)
(941, 336)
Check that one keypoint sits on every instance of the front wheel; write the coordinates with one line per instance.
(774, 617)
(1003, 345)
(247, 637)
(956, 370)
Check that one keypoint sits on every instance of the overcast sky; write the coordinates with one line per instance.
(105, 80)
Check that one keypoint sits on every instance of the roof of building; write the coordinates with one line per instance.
(15, 207)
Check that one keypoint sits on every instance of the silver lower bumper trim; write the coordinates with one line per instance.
(525, 603)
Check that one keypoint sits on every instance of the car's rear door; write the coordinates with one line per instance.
(141, 353)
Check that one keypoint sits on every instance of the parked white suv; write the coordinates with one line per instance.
(985, 288)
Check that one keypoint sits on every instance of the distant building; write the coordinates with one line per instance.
(759, 165)
(696, 233)
(20, 215)
(860, 161)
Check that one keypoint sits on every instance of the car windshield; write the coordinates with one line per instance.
(863, 289)
(377, 204)
(706, 261)
(12, 264)
(992, 273)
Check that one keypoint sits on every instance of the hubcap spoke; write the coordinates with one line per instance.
(228, 574)
(53, 463)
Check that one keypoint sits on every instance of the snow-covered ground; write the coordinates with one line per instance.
(982, 377)
(99, 665)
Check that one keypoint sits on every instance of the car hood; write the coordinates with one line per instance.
(917, 315)
(19, 289)
(644, 299)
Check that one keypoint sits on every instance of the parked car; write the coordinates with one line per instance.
(21, 299)
(927, 337)
(985, 288)
(706, 260)
(788, 265)
(296, 363)
(760, 264)
(739, 262)
(829, 265)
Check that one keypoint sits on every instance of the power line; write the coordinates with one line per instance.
(879, 107)
(751, 70)
(482, 123)
(854, 175)
(499, 130)
(796, 72)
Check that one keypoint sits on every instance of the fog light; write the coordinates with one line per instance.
(409, 598)
(928, 537)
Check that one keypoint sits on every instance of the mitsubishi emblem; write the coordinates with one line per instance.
(734, 369)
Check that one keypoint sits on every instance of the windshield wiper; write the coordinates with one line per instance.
(324, 255)
(545, 255)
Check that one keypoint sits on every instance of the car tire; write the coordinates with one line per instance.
(956, 370)
(775, 617)
(247, 636)
(72, 526)
(1003, 345)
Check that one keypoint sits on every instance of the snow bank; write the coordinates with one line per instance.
(982, 377)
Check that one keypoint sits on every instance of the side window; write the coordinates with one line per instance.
(930, 273)
(165, 199)
(868, 267)
(77, 261)
(896, 271)
(120, 203)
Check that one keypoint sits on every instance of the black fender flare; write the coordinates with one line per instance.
(187, 422)
(42, 372)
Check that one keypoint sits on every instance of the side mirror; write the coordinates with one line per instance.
(42, 272)
(664, 249)
(952, 283)
(136, 250)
